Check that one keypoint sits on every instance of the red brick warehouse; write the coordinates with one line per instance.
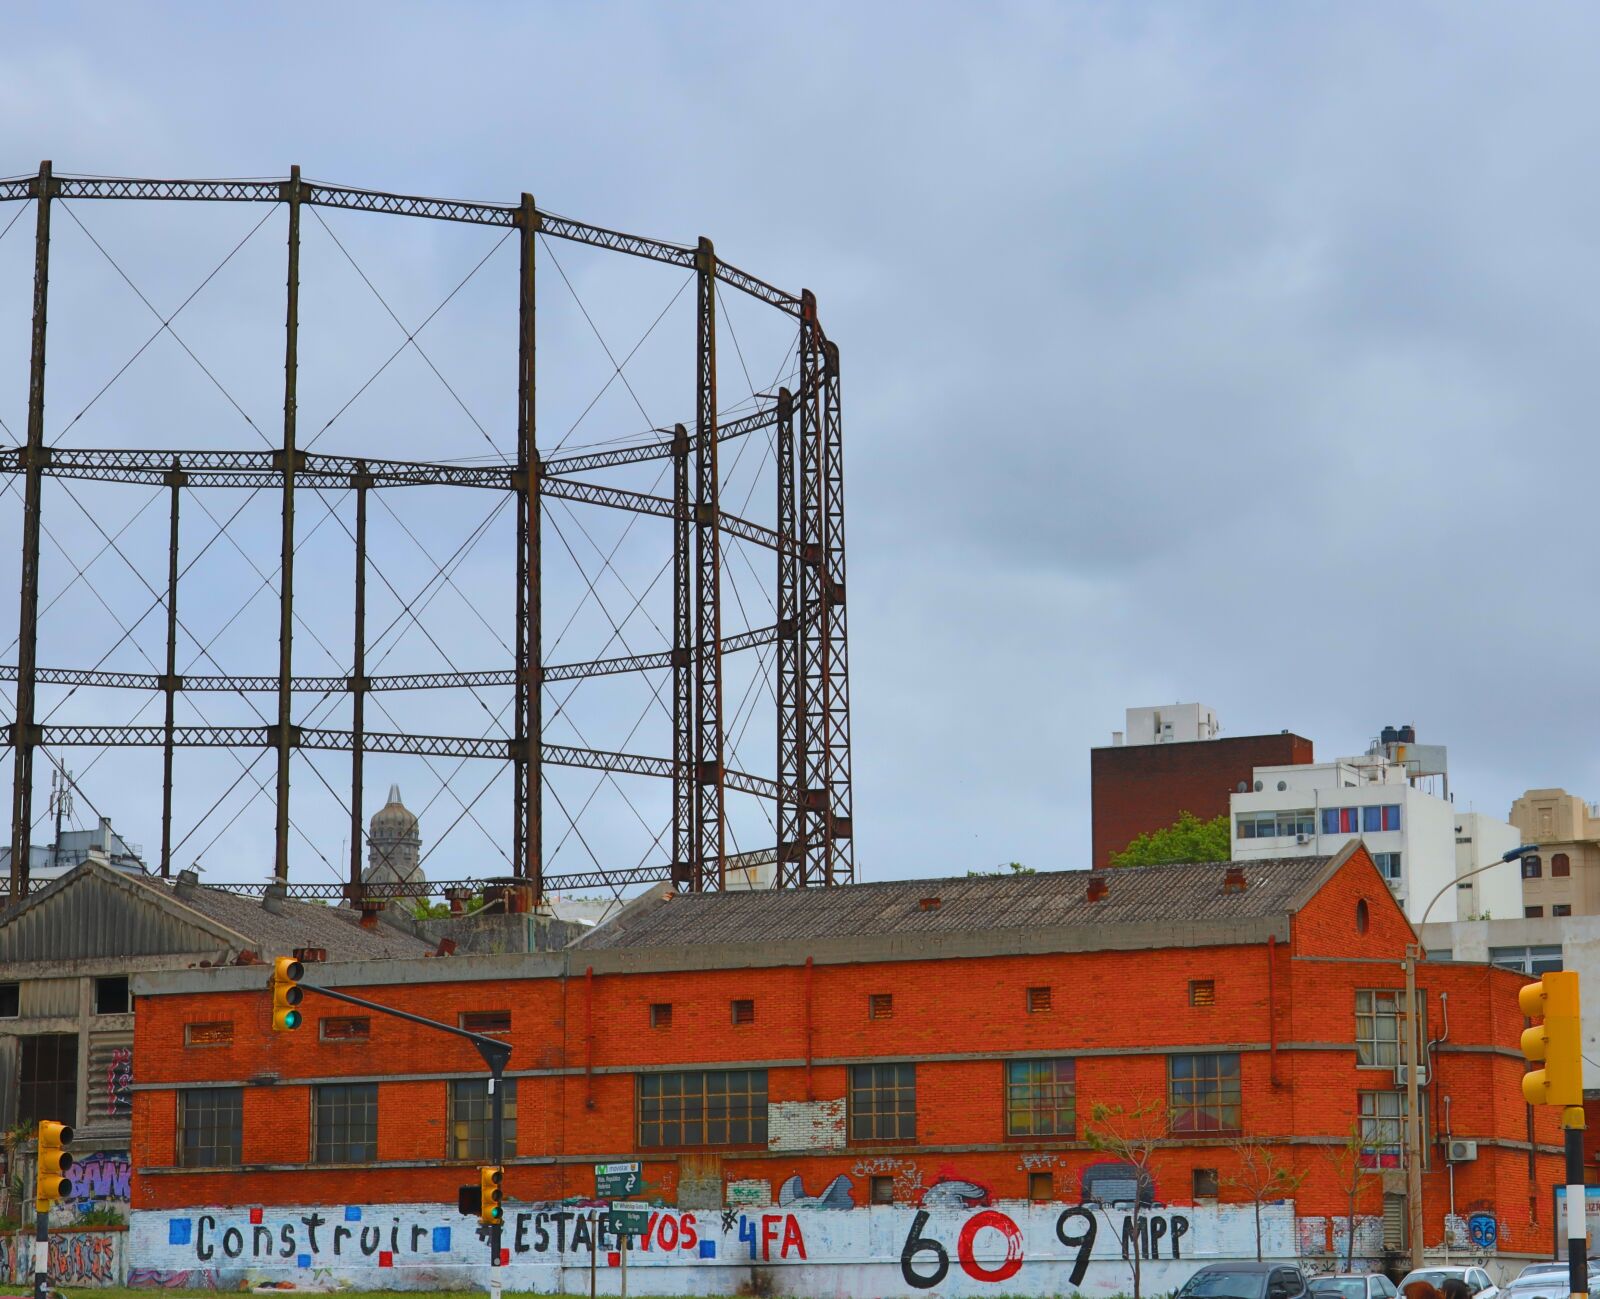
(906, 1041)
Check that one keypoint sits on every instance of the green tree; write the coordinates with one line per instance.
(1010, 868)
(1187, 839)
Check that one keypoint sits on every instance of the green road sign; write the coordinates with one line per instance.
(616, 1181)
(632, 1219)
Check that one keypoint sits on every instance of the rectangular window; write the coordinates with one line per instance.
(1388, 864)
(1371, 819)
(486, 1021)
(1379, 1014)
(1038, 1000)
(1276, 825)
(1383, 1127)
(726, 1107)
(883, 1102)
(1561, 909)
(1040, 1098)
(111, 996)
(345, 1028)
(1533, 913)
(210, 1126)
(1530, 960)
(1203, 1093)
(1204, 1183)
(346, 1123)
(880, 1005)
(661, 1014)
(1532, 866)
(472, 1118)
(1330, 820)
(48, 1079)
(218, 1032)
(1391, 816)
(883, 1190)
(1041, 1187)
(10, 1000)
(744, 1010)
(1347, 820)
(1202, 992)
(1561, 865)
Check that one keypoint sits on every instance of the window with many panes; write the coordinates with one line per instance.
(1203, 1092)
(1530, 960)
(47, 1084)
(1380, 1012)
(346, 1123)
(1040, 1098)
(472, 1117)
(716, 1107)
(1276, 825)
(210, 1126)
(883, 1102)
(1382, 1116)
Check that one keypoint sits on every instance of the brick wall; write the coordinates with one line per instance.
(1287, 1009)
(1138, 788)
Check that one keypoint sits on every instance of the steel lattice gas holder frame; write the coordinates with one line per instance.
(811, 781)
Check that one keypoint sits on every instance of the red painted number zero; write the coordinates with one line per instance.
(1009, 1266)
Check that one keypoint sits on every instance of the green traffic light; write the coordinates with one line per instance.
(292, 1019)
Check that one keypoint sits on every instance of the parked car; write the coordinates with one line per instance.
(1245, 1281)
(1545, 1281)
(1476, 1278)
(1353, 1285)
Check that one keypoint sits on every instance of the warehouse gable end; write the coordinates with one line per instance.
(1351, 904)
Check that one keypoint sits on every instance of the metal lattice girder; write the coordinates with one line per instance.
(251, 469)
(574, 489)
(658, 450)
(204, 191)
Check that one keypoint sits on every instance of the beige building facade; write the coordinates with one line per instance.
(1563, 877)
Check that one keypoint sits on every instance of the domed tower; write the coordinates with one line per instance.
(393, 844)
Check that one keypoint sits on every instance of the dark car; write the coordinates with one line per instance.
(1245, 1281)
(1352, 1285)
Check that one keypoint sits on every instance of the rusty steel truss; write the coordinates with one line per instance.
(810, 782)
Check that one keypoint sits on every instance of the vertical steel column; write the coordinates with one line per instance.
(683, 773)
(528, 778)
(709, 774)
(170, 684)
(281, 734)
(358, 686)
(813, 623)
(791, 820)
(24, 733)
(836, 701)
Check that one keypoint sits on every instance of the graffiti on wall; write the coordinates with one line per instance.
(119, 1083)
(101, 1175)
(836, 1195)
(89, 1258)
(1003, 1247)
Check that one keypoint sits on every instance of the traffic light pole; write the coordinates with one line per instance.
(495, 1054)
(41, 1254)
(1577, 1204)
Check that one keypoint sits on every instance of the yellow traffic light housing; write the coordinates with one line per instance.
(51, 1187)
(1556, 1043)
(286, 994)
(489, 1211)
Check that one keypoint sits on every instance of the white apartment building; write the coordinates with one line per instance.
(1420, 843)
(1168, 724)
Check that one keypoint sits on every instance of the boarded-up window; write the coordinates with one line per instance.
(486, 1021)
(111, 1076)
(216, 1032)
(661, 1014)
(1038, 1000)
(346, 1028)
(880, 1005)
(1202, 992)
(744, 1011)
(1041, 1186)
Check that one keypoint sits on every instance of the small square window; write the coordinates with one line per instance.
(486, 1021)
(744, 1011)
(345, 1028)
(1533, 913)
(1041, 1186)
(1205, 1183)
(1202, 992)
(661, 1014)
(1038, 1000)
(111, 995)
(880, 1005)
(10, 1000)
(883, 1190)
(1561, 909)
(211, 1033)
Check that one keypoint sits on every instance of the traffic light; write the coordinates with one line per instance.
(286, 993)
(54, 1160)
(489, 1211)
(1557, 1043)
(469, 1200)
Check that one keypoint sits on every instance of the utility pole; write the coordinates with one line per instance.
(1414, 1146)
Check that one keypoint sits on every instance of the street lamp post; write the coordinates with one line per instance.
(1413, 1057)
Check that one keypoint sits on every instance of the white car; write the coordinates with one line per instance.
(1544, 1281)
(1476, 1278)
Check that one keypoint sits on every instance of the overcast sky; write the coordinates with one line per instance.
(1238, 353)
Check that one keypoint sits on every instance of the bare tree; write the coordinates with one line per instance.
(1262, 1177)
(1130, 1134)
(1346, 1161)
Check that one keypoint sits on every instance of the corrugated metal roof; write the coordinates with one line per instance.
(1048, 899)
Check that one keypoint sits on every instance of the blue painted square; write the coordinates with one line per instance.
(708, 1249)
(441, 1240)
(352, 1213)
(303, 1260)
(180, 1231)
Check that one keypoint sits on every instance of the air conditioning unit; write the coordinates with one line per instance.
(1302, 838)
(1400, 1071)
(1461, 1152)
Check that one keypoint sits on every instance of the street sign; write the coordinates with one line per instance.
(613, 1181)
(630, 1219)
